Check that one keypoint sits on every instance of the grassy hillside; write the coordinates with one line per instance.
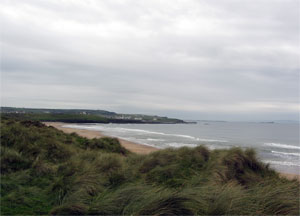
(68, 118)
(84, 116)
(56, 111)
(45, 171)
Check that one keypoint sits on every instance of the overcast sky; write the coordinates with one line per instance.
(192, 59)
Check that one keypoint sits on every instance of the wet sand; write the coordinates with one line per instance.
(131, 146)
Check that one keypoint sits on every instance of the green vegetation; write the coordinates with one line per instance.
(45, 171)
(83, 116)
(57, 111)
(69, 118)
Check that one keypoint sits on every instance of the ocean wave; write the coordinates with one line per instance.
(137, 130)
(281, 145)
(84, 127)
(181, 135)
(211, 140)
(175, 135)
(120, 129)
(196, 138)
(178, 145)
(283, 163)
(153, 132)
(138, 141)
(155, 140)
(286, 153)
(166, 134)
(133, 139)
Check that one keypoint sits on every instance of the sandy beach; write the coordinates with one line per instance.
(131, 146)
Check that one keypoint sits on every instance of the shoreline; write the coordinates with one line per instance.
(131, 146)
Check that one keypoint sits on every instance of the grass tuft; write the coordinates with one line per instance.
(73, 209)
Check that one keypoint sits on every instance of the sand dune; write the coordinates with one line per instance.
(131, 146)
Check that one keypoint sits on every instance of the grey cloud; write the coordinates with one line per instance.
(178, 57)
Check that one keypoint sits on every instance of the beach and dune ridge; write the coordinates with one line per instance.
(63, 173)
(131, 146)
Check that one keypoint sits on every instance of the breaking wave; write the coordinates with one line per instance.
(140, 131)
(178, 145)
(281, 145)
(283, 163)
(286, 153)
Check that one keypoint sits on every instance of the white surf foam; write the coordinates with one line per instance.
(181, 135)
(140, 131)
(211, 140)
(155, 140)
(120, 129)
(84, 127)
(196, 138)
(139, 141)
(178, 145)
(286, 153)
(282, 145)
(283, 163)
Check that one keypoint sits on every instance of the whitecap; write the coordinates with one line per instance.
(281, 145)
(139, 131)
(283, 163)
(124, 130)
(211, 140)
(155, 140)
(286, 153)
(178, 145)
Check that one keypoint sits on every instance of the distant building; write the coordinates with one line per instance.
(123, 117)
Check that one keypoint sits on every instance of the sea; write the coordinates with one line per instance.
(275, 143)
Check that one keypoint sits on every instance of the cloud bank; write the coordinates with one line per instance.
(190, 59)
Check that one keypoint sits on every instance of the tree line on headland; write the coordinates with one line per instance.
(84, 116)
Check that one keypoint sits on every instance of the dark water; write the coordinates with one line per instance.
(277, 144)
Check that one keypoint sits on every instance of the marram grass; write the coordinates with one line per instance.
(45, 171)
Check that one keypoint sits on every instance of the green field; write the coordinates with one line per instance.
(45, 171)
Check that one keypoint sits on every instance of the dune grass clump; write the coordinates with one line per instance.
(173, 167)
(12, 161)
(45, 171)
(242, 166)
(140, 199)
